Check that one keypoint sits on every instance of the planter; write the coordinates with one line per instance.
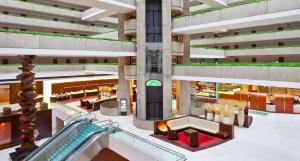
(227, 120)
(217, 118)
(241, 118)
(210, 116)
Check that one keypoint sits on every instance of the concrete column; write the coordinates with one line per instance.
(217, 90)
(167, 58)
(141, 58)
(123, 87)
(185, 86)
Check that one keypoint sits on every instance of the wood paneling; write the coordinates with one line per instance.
(284, 103)
(258, 101)
(14, 90)
(13, 93)
(82, 85)
(4, 95)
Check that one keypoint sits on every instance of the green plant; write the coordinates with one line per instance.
(260, 47)
(258, 64)
(257, 33)
(58, 35)
(62, 64)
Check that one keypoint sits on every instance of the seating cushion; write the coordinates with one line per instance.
(201, 124)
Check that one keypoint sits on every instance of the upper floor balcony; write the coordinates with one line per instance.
(46, 24)
(45, 71)
(237, 15)
(16, 39)
(177, 7)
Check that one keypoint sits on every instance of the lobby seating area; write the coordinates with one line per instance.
(90, 94)
(71, 95)
(93, 103)
(193, 133)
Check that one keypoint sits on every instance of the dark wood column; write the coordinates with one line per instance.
(27, 96)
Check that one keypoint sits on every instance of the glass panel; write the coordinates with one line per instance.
(154, 150)
(71, 137)
(153, 58)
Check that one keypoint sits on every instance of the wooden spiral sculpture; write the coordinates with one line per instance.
(27, 96)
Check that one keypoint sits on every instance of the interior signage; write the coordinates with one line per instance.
(153, 83)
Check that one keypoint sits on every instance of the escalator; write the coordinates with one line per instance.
(74, 135)
(83, 138)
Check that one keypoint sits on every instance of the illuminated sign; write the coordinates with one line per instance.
(153, 83)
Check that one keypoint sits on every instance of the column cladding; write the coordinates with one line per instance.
(141, 59)
(123, 84)
(167, 58)
(185, 86)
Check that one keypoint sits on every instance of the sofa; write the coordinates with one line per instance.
(93, 92)
(193, 122)
(181, 123)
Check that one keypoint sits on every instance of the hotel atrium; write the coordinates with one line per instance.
(149, 80)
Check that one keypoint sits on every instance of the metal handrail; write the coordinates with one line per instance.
(72, 122)
(106, 126)
(81, 120)
(86, 139)
(71, 118)
(154, 144)
(49, 140)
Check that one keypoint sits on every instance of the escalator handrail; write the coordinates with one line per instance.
(86, 139)
(90, 119)
(54, 137)
(106, 125)
(49, 140)
(69, 120)
(153, 144)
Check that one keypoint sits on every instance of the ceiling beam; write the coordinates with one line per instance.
(214, 3)
(94, 14)
(109, 5)
(246, 22)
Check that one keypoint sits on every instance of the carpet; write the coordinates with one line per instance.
(107, 154)
(205, 140)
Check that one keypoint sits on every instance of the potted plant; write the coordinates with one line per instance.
(241, 114)
(226, 112)
(209, 109)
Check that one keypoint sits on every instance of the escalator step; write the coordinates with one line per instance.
(83, 132)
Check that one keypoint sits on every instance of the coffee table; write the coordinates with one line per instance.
(189, 131)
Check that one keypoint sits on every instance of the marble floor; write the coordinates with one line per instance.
(272, 137)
